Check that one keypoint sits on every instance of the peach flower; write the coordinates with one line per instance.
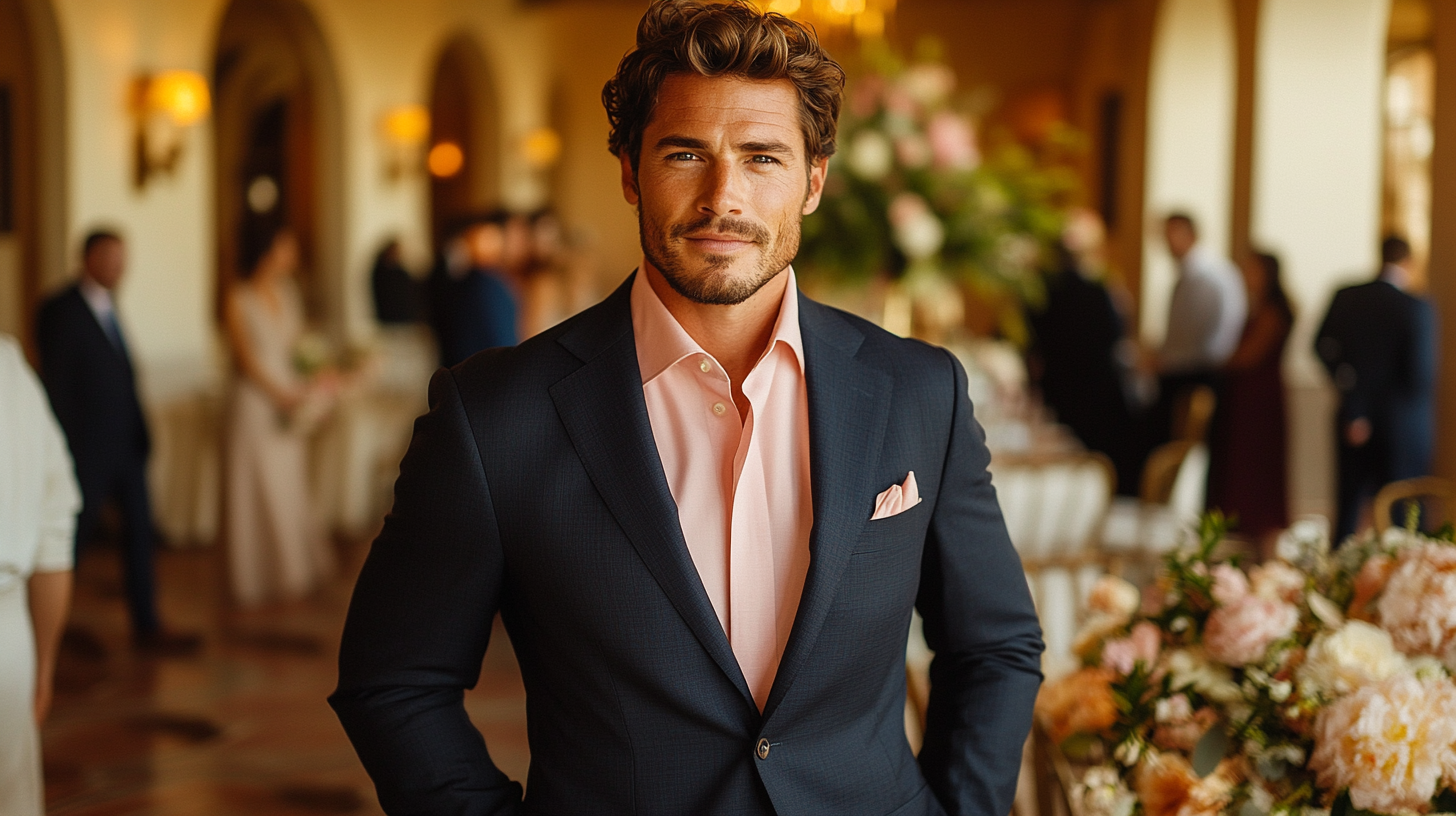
(1113, 596)
(1278, 581)
(1167, 786)
(1242, 632)
(1080, 703)
(1178, 726)
(1141, 646)
(1418, 606)
(1369, 583)
(1388, 743)
(1229, 584)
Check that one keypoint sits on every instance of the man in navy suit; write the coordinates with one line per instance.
(705, 508)
(1378, 342)
(88, 375)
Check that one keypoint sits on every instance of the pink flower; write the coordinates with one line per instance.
(913, 151)
(1277, 580)
(865, 98)
(1418, 606)
(1123, 654)
(1369, 583)
(1388, 743)
(953, 142)
(1229, 584)
(1241, 633)
(1178, 726)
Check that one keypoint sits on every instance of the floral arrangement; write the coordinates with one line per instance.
(911, 194)
(1318, 682)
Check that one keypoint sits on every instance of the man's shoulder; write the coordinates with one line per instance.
(67, 298)
(899, 356)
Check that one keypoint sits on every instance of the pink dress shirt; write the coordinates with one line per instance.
(741, 483)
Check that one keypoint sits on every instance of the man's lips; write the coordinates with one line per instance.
(719, 243)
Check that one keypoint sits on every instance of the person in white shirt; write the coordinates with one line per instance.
(1209, 305)
(39, 500)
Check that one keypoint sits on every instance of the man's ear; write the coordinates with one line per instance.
(629, 180)
(817, 172)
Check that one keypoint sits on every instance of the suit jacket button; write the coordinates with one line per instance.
(762, 749)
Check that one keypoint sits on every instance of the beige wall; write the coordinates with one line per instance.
(382, 52)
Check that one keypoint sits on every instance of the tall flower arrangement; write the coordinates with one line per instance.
(1319, 681)
(914, 194)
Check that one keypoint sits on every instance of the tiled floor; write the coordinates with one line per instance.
(242, 728)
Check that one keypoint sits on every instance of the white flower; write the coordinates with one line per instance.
(1129, 751)
(871, 156)
(918, 233)
(1190, 669)
(1305, 542)
(1277, 581)
(1325, 610)
(928, 84)
(1356, 655)
(1103, 793)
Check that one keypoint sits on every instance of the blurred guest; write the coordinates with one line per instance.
(1205, 320)
(396, 295)
(88, 374)
(452, 264)
(1378, 342)
(276, 550)
(480, 309)
(38, 503)
(1076, 340)
(1253, 482)
(543, 281)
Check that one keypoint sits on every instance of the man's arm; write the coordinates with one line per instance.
(419, 625)
(1193, 319)
(980, 621)
(61, 356)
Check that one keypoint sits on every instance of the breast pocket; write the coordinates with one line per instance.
(904, 529)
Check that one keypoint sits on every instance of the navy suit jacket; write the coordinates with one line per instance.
(533, 487)
(92, 390)
(1379, 345)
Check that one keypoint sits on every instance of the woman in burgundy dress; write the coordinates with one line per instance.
(1253, 486)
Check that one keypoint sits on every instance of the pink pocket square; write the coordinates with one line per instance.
(897, 499)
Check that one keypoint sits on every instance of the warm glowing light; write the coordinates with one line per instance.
(868, 19)
(445, 160)
(870, 24)
(407, 125)
(541, 148)
(784, 7)
(847, 6)
(181, 95)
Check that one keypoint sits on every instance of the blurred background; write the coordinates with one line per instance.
(982, 141)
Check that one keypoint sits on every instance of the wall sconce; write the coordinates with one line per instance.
(405, 130)
(165, 105)
(446, 160)
(541, 148)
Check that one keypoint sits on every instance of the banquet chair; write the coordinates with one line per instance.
(1409, 490)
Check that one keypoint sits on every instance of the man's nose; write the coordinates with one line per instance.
(723, 190)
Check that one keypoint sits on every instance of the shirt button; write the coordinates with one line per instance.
(705, 365)
(719, 408)
(762, 749)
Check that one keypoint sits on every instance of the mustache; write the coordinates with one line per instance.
(726, 226)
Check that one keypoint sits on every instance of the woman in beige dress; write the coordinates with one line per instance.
(276, 550)
(38, 505)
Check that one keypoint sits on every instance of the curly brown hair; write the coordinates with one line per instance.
(722, 39)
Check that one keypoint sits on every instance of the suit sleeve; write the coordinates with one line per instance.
(1422, 360)
(980, 622)
(59, 349)
(419, 624)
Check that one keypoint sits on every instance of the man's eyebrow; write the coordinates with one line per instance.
(777, 148)
(682, 141)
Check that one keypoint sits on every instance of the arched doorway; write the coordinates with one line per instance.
(465, 135)
(278, 146)
(1192, 84)
(32, 231)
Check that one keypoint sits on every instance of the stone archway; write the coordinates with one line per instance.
(1192, 87)
(32, 184)
(278, 146)
(464, 113)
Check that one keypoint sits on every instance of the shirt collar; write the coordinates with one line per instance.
(98, 297)
(663, 342)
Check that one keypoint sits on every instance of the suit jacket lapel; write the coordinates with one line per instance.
(605, 415)
(849, 407)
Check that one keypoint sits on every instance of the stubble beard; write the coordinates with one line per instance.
(711, 285)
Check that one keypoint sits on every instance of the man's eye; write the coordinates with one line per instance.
(683, 156)
(765, 160)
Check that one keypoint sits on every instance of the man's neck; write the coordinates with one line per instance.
(1396, 275)
(735, 335)
(95, 293)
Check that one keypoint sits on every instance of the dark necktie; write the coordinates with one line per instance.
(113, 332)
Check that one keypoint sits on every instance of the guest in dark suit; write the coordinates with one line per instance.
(475, 308)
(1378, 343)
(705, 508)
(88, 375)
